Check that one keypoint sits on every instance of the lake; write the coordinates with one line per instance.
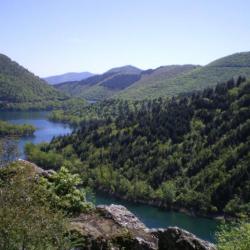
(45, 129)
(151, 216)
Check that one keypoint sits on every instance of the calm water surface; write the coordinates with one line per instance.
(151, 216)
(45, 129)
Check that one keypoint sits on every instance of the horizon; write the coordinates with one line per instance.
(118, 66)
(54, 38)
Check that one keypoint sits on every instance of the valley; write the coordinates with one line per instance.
(151, 216)
(124, 125)
(178, 156)
(130, 83)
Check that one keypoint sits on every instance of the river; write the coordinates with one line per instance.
(153, 217)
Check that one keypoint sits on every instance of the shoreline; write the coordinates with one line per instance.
(159, 204)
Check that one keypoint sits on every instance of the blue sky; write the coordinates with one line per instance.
(56, 36)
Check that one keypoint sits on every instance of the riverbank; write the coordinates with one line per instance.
(166, 207)
(11, 130)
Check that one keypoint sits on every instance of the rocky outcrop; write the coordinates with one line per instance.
(122, 216)
(35, 169)
(174, 238)
(114, 227)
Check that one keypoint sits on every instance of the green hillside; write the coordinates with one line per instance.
(103, 86)
(127, 69)
(236, 60)
(129, 82)
(14, 130)
(120, 79)
(187, 152)
(199, 78)
(18, 85)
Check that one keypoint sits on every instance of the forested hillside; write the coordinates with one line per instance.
(8, 129)
(188, 152)
(108, 109)
(18, 85)
(131, 83)
(100, 87)
(199, 78)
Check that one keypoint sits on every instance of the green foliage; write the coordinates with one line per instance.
(165, 81)
(234, 237)
(100, 87)
(19, 85)
(50, 160)
(191, 151)
(197, 79)
(64, 192)
(167, 191)
(8, 129)
(27, 220)
(22, 90)
(107, 110)
(44, 105)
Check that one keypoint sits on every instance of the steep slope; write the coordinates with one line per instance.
(188, 152)
(199, 78)
(103, 86)
(236, 60)
(68, 77)
(18, 85)
(148, 84)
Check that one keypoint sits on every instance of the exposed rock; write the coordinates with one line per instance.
(36, 170)
(174, 238)
(122, 216)
(107, 228)
(114, 227)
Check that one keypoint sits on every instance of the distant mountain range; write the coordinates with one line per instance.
(102, 86)
(199, 78)
(67, 77)
(18, 85)
(129, 82)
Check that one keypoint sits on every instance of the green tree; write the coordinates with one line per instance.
(167, 191)
(235, 237)
(64, 191)
(27, 221)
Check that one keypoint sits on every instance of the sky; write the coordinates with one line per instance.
(51, 37)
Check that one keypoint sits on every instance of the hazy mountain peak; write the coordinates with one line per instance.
(127, 69)
(68, 77)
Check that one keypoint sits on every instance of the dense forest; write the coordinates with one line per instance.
(198, 78)
(109, 109)
(186, 152)
(22, 90)
(17, 84)
(44, 105)
(8, 129)
(130, 83)
(103, 86)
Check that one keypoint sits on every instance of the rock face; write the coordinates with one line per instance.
(122, 216)
(174, 238)
(114, 227)
(36, 170)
